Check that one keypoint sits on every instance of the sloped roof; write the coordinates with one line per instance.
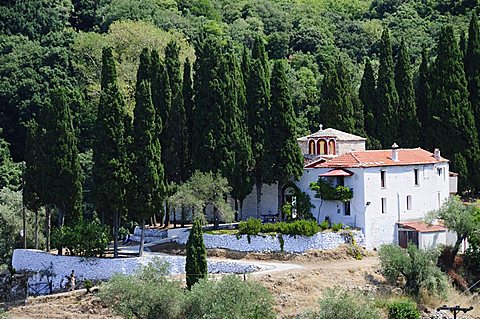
(422, 227)
(333, 133)
(375, 158)
(338, 172)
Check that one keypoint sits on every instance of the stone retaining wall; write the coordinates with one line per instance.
(35, 261)
(299, 244)
(151, 235)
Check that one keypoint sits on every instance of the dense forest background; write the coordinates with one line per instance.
(337, 52)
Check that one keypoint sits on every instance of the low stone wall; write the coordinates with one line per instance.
(39, 263)
(299, 244)
(151, 235)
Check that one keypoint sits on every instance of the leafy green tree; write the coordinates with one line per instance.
(287, 158)
(336, 107)
(110, 170)
(472, 67)
(422, 96)
(409, 129)
(189, 103)
(258, 105)
(417, 267)
(459, 218)
(387, 96)
(367, 96)
(453, 125)
(149, 188)
(60, 161)
(342, 304)
(10, 172)
(196, 263)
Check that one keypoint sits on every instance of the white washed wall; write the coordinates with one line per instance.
(105, 268)
(381, 228)
(268, 204)
(267, 243)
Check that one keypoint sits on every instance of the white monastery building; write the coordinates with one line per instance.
(392, 189)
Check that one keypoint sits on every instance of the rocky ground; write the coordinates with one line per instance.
(295, 290)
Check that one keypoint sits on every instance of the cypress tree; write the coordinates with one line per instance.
(148, 169)
(258, 105)
(337, 107)
(387, 97)
(110, 169)
(472, 67)
(60, 163)
(196, 262)
(409, 127)
(283, 147)
(422, 96)
(188, 102)
(454, 124)
(367, 94)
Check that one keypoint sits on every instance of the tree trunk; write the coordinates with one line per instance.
(216, 221)
(279, 201)
(236, 210)
(115, 234)
(258, 184)
(154, 221)
(36, 228)
(142, 239)
(183, 216)
(241, 209)
(48, 226)
(174, 217)
(167, 215)
(61, 222)
(455, 250)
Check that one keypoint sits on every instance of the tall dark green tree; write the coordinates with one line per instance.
(110, 170)
(149, 187)
(337, 107)
(61, 165)
(283, 146)
(409, 128)
(387, 96)
(453, 127)
(196, 262)
(472, 67)
(422, 96)
(188, 102)
(258, 105)
(367, 95)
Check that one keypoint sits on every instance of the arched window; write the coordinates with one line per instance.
(322, 147)
(311, 147)
(331, 147)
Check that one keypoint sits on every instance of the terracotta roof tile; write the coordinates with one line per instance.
(375, 158)
(422, 227)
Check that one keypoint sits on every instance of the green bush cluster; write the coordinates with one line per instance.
(146, 294)
(254, 226)
(86, 238)
(337, 227)
(403, 309)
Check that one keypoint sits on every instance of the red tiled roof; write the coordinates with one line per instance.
(376, 158)
(337, 172)
(422, 227)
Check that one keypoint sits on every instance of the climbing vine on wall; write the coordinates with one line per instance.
(327, 191)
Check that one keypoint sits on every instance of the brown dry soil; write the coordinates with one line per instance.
(294, 290)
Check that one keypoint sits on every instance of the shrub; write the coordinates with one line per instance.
(337, 227)
(229, 297)
(299, 227)
(403, 309)
(86, 238)
(144, 294)
(342, 304)
(88, 284)
(417, 268)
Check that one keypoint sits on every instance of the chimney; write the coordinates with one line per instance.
(436, 154)
(395, 152)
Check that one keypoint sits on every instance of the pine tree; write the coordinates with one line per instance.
(409, 127)
(387, 97)
(337, 108)
(196, 262)
(422, 96)
(453, 124)
(283, 146)
(472, 68)
(367, 95)
(110, 170)
(258, 105)
(60, 159)
(148, 170)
